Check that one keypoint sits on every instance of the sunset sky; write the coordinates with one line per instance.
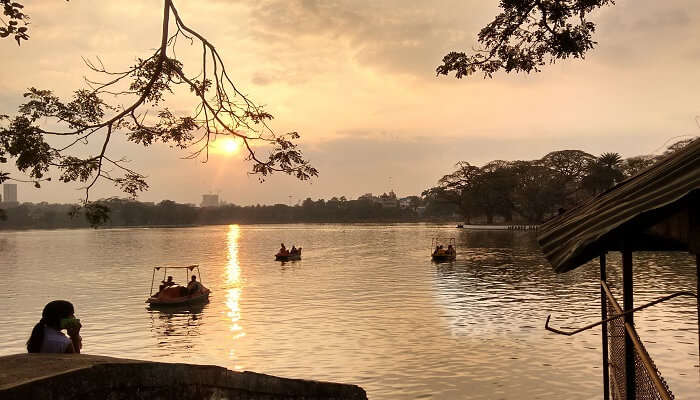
(357, 79)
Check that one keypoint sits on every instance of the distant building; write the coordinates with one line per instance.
(385, 200)
(405, 202)
(388, 200)
(9, 195)
(367, 196)
(210, 200)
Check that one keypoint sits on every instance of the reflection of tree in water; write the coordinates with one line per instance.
(501, 281)
(497, 256)
(172, 327)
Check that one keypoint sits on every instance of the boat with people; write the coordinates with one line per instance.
(441, 253)
(284, 254)
(173, 294)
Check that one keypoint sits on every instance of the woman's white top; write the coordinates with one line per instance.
(54, 341)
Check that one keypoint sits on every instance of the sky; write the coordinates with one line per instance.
(356, 78)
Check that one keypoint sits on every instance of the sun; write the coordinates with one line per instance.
(228, 146)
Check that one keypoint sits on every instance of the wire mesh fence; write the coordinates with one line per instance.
(648, 383)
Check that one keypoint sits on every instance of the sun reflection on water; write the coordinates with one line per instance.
(234, 286)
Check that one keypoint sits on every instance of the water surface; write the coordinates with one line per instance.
(364, 306)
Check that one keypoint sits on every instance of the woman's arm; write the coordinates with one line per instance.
(76, 341)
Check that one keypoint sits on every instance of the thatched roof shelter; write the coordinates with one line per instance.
(657, 209)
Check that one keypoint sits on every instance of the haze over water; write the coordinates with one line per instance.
(364, 306)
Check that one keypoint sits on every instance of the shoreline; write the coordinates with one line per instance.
(495, 227)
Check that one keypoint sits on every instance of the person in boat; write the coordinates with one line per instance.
(450, 249)
(47, 337)
(166, 284)
(440, 251)
(283, 250)
(193, 287)
(293, 250)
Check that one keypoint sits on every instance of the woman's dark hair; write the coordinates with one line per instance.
(51, 316)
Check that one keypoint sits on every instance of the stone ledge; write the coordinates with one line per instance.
(65, 377)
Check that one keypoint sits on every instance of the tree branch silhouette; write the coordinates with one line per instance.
(526, 35)
(221, 109)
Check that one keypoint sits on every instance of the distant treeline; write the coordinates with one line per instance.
(532, 191)
(521, 192)
(124, 212)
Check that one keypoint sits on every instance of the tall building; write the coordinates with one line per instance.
(9, 192)
(210, 200)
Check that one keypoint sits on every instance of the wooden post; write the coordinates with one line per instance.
(604, 327)
(628, 304)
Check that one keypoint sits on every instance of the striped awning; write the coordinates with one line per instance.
(583, 233)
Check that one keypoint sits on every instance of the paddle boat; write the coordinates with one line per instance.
(292, 255)
(438, 251)
(171, 294)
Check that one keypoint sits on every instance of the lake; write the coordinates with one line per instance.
(365, 306)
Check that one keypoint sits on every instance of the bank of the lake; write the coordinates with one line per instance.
(79, 376)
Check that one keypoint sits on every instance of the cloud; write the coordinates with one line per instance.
(356, 78)
(646, 33)
(397, 36)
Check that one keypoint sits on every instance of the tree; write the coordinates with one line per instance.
(526, 35)
(457, 188)
(571, 166)
(604, 173)
(493, 190)
(539, 190)
(221, 109)
(674, 147)
(634, 165)
(17, 22)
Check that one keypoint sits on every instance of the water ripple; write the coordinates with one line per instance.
(364, 306)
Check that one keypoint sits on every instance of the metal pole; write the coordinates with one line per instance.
(604, 327)
(697, 292)
(628, 304)
(153, 279)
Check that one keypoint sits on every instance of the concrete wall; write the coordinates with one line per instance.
(67, 377)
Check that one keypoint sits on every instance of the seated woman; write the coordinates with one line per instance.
(47, 337)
